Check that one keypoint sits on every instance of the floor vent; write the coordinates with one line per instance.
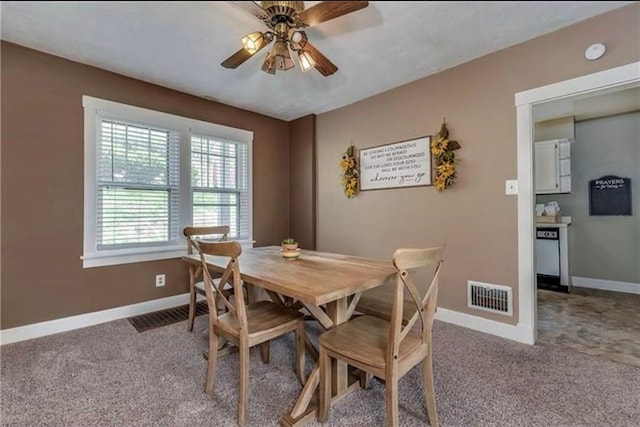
(148, 321)
(488, 297)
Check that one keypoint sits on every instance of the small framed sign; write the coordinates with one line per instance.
(610, 195)
(397, 165)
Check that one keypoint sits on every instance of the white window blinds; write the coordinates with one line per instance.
(137, 185)
(220, 184)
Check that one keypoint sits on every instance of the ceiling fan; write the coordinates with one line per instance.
(286, 21)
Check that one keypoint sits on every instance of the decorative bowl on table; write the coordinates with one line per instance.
(290, 254)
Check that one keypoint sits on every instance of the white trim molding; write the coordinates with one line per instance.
(504, 330)
(36, 330)
(524, 102)
(94, 110)
(624, 74)
(89, 261)
(606, 285)
(128, 257)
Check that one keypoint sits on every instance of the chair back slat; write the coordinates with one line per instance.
(214, 291)
(415, 296)
(221, 233)
(417, 301)
(406, 260)
(224, 279)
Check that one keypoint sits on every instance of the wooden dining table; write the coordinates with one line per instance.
(328, 285)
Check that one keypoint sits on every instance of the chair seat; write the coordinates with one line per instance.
(378, 302)
(261, 317)
(365, 339)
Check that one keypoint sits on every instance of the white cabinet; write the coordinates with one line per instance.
(553, 166)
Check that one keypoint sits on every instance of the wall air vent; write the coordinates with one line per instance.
(488, 297)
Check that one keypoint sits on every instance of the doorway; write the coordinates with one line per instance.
(608, 80)
(594, 308)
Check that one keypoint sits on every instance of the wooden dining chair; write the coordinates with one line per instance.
(244, 325)
(389, 349)
(196, 285)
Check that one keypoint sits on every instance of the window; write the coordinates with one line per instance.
(219, 183)
(150, 174)
(137, 188)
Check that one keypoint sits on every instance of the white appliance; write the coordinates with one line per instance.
(552, 258)
(548, 252)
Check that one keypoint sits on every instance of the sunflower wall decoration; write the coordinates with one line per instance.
(443, 149)
(349, 168)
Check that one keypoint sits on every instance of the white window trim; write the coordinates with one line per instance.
(93, 107)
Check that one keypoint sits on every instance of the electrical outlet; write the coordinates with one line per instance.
(159, 280)
(511, 187)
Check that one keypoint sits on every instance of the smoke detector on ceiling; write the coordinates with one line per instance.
(595, 51)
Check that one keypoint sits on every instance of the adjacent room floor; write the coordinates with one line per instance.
(592, 321)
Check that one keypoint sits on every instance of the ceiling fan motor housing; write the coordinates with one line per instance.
(282, 11)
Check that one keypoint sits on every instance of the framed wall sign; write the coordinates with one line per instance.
(397, 165)
(610, 195)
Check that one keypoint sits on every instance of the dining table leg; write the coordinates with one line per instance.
(337, 311)
(306, 407)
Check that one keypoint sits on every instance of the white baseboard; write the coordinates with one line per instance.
(606, 285)
(518, 333)
(526, 334)
(36, 330)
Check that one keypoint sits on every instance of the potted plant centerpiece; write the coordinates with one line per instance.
(290, 248)
(289, 244)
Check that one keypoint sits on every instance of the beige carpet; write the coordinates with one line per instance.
(111, 375)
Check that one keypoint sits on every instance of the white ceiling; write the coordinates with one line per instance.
(180, 45)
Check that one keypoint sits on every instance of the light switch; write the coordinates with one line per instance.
(511, 187)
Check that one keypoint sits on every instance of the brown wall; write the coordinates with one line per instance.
(43, 178)
(474, 217)
(302, 142)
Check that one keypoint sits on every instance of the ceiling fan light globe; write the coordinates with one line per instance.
(296, 37)
(253, 42)
(284, 63)
(306, 61)
(281, 56)
(269, 66)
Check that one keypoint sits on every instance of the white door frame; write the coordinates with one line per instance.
(527, 296)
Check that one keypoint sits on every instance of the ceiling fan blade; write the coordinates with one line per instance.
(327, 10)
(253, 8)
(323, 65)
(236, 59)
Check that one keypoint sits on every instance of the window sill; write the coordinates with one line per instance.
(129, 257)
